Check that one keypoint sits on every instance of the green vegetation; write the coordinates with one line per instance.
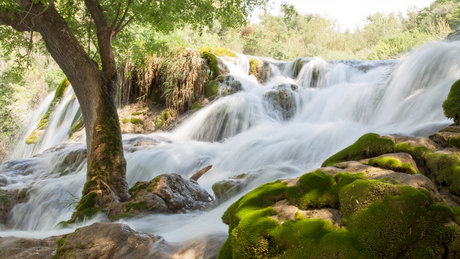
(451, 105)
(442, 169)
(136, 121)
(220, 52)
(212, 63)
(164, 117)
(380, 220)
(367, 146)
(136, 113)
(393, 164)
(77, 126)
(125, 120)
(211, 88)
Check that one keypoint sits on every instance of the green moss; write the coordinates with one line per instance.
(157, 98)
(80, 246)
(212, 62)
(367, 146)
(254, 67)
(136, 121)
(454, 142)
(4, 200)
(137, 186)
(33, 137)
(136, 113)
(121, 216)
(381, 221)
(86, 208)
(136, 206)
(79, 125)
(297, 66)
(211, 88)
(125, 120)
(60, 242)
(394, 164)
(451, 105)
(441, 168)
(195, 106)
(22, 194)
(220, 52)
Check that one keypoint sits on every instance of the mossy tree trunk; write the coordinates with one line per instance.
(95, 89)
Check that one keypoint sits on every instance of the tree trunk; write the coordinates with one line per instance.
(95, 90)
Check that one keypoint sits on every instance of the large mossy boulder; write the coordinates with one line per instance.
(451, 105)
(340, 215)
(367, 146)
(443, 168)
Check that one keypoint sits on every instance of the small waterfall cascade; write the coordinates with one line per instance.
(281, 128)
(65, 114)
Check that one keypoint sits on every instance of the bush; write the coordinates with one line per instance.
(451, 105)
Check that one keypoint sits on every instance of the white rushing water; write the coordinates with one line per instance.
(274, 129)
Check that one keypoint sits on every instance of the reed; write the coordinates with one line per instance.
(176, 79)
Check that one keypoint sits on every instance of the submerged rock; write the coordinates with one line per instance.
(228, 85)
(282, 99)
(227, 188)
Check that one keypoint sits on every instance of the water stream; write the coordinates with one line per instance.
(274, 129)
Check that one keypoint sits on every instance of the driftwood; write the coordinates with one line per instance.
(198, 174)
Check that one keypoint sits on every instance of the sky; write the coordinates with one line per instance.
(351, 13)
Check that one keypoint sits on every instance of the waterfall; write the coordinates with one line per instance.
(58, 127)
(282, 128)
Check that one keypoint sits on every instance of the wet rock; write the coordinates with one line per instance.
(229, 85)
(71, 161)
(17, 247)
(167, 193)
(109, 240)
(227, 188)
(282, 99)
(3, 181)
(448, 137)
(414, 141)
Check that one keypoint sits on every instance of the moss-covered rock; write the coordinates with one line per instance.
(220, 52)
(381, 220)
(367, 146)
(255, 68)
(212, 62)
(394, 164)
(451, 105)
(211, 88)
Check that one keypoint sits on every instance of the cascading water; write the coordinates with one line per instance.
(282, 128)
(58, 127)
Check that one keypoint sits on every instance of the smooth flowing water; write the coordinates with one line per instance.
(274, 129)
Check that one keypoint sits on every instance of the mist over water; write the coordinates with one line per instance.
(333, 104)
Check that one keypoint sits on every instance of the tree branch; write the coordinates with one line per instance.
(123, 26)
(116, 17)
(96, 14)
(18, 21)
(117, 29)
